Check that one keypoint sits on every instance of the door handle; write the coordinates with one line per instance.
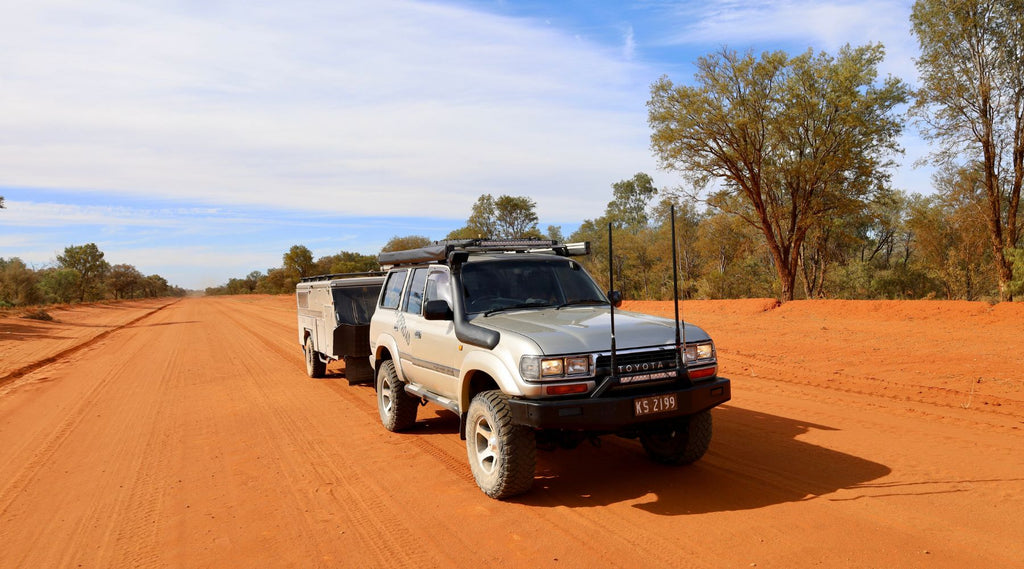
(417, 334)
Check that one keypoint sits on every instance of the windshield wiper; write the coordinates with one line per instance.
(581, 302)
(534, 304)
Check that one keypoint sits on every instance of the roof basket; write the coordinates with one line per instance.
(440, 250)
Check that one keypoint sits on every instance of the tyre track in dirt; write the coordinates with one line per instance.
(756, 364)
(118, 489)
(63, 354)
(370, 510)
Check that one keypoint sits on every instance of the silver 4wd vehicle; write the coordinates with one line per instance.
(519, 341)
(334, 322)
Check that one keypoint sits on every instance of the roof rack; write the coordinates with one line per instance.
(440, 250)
(340, 276)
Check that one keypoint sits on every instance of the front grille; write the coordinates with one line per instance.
(639, 372)
(629, 363)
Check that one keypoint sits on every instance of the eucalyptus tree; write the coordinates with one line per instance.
(87, 260)
(785, 143)
(631, 201)
(971, 102)
(507, 217)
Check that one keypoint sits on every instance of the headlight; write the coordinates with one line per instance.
(537, 367)
(552, 368)
(699, 352)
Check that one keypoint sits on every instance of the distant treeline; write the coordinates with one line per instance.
(896, 247)
(80, 275)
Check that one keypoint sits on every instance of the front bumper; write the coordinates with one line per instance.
(615, 413)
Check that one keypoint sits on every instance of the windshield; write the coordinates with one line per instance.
(523, 283)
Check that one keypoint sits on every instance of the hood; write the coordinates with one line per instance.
(587, 329)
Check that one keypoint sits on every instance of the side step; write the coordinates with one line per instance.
(419, 391)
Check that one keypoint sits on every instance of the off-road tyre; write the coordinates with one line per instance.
(397, 408)
(315, 367)
(679, 441)
(502, 455)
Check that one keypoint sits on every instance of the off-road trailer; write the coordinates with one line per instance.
(334, 314)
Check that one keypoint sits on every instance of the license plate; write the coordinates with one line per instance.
(654, 405)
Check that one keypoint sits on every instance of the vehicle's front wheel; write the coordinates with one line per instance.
(680, 441)
(314, 366)
(397, 408)
(502, 455)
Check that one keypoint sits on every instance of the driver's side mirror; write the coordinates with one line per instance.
(615, 297)
(438, 310)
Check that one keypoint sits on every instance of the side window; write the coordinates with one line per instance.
(439, 287)
(414, 296)
(393, 289)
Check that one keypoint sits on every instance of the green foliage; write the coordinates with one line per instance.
(18, 284)
(506, 217)
(783, 143)
(125, 281)
(1017, 283)
(402, 243)
(346, 262)
(970, 103)
(87, 261)
(555, 233)
(23, 286)
(276, 282)
(298, 262)
(953, 246)
(60, 285)
(630, 202)
(642, 262)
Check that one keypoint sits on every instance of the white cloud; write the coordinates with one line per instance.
(628, 44)
(398, 108)
(820, 25)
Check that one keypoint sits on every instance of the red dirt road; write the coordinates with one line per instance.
(186, 434)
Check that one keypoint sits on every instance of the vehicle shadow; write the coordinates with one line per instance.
(755, 460)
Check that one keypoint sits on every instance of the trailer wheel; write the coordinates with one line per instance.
(315, 367)
(397, 408)
(502, 455)
(680, 441)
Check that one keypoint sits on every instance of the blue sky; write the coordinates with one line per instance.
(200, 140)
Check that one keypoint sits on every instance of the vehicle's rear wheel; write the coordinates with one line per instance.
(397, 408)
(315, 367)
(502, 455)
(680, 441)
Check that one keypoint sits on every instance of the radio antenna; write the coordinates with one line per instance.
(680, 341)
(611, 288)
